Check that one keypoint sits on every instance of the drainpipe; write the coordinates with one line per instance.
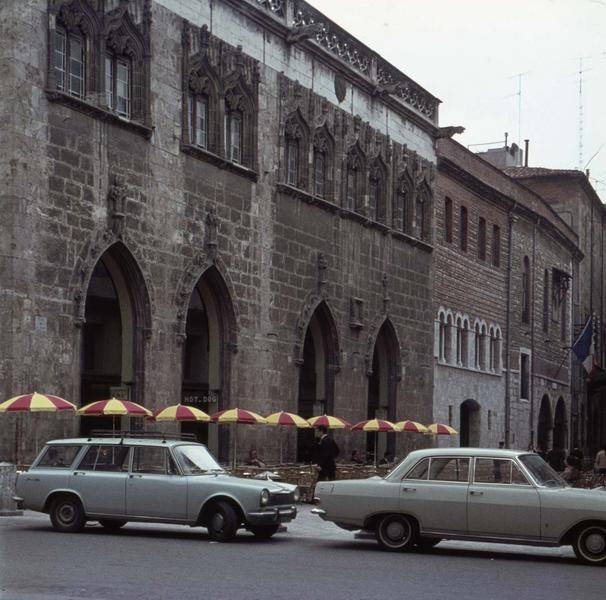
(512, 219)
(532, 320)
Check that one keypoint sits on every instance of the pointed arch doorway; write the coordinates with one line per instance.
(206, 357)
(382, 390)
(116, 316)
(317, 367)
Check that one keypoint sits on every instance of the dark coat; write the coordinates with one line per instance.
(326, 453)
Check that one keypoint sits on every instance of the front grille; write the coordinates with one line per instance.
(277, 499)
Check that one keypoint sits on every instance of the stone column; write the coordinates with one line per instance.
(8, 479)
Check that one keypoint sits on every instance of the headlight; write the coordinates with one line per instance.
(264, 497)
(297, 494)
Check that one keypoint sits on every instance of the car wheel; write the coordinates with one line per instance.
(67, 514)
(590, 545)
(112, 524)
(427, 543)
(222, 522)
(264, 532)
(396, 532)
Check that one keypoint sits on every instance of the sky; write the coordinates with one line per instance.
(470, 54)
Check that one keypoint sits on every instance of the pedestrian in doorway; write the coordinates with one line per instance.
(555, 458)
(326, 453)
(501, 445)
(600, 461)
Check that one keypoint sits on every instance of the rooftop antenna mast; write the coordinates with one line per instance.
(581, 123)
(519, 95)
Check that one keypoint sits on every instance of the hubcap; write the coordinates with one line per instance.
(595, 543)
(67, 513)
(395, 531)
(217, 522)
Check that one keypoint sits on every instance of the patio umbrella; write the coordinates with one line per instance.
(329, 422)
(180, 412)
(376, 426)
(114, 407)
(286, 419)
(412, 426)
(235, 416)
(36, 403)
(441, 429)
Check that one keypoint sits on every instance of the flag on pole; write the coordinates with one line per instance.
(584, 347)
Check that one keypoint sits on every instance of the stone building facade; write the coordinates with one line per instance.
(570, 194)
(503, 264)
(226, 203)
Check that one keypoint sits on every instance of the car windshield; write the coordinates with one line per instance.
(541, 471)
(195, 460)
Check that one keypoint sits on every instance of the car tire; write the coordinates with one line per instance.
(590, 544)
(426, 543)
(112, 524)
(67, 514)
(396, 533)
(222, 522)
(264, 532)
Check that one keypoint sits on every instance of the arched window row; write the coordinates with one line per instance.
(100, 58)
(477, 347)
(220, 99)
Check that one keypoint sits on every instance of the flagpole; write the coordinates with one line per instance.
(568, 348)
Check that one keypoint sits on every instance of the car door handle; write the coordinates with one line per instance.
(133, 476)
(476, 493)
(79, 473)
(409, 490)
(32, 479)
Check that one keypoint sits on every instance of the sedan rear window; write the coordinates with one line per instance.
(449, 469)
(59, 457)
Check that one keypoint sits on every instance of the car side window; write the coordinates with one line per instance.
(449, 469)
(105, 458)
(498, 470)
(59, 457)
(153, 460)
(419, 471)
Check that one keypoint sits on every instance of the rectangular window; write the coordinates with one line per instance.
(482, 239)
(448, 220)
(123, 89)
(373, 193)
(109, 82)
(235, 138)
(463, 229)
(292, 160)
(153, 460)
(496, 246)
(201, 122)
(546, 301)
(351, 188)
(76, 67)
(319, 171)
(60, 59)
(449, 469)
(524, 376)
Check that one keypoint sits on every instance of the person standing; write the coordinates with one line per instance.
(326, 453)
(600, 460)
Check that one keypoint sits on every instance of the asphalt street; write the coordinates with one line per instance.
(312, 560)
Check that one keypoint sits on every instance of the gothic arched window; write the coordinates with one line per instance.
(322, 163)
(296, 134)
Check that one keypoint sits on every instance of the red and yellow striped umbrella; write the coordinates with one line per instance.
(287, 419)
(441, 429)
(180, 412)
(329, 422)
(238, 415)
(113, 406)
(36, 403)
(375, 425)
(411, 426)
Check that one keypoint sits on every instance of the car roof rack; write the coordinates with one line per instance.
(152, 435)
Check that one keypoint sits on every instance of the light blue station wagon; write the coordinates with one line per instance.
(116, 480)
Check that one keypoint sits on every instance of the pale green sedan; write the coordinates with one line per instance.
(117, 480)
(470, 494)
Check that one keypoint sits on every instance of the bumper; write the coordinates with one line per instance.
(318, 511)
(272, 516)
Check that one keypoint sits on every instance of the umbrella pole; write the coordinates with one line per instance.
(281, 435)
(235, 444)
(376, 446)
